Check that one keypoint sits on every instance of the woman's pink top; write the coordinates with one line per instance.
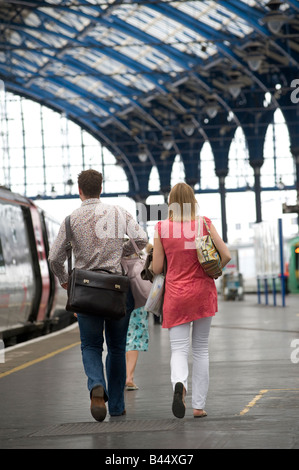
(189, 292)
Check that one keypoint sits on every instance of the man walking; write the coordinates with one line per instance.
(98, 243)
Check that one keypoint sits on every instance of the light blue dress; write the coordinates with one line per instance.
(137, 336)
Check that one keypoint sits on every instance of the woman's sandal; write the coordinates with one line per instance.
(178, 404)
(131, 386)
(202, 414)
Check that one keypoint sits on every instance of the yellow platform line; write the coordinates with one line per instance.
(39, 359)
(253, 402)
(260, 395)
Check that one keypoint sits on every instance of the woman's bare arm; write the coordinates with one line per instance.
(158, 255)
(221, 246)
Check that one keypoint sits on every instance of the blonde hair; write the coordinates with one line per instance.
(182, 204)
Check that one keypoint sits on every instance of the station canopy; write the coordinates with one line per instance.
(154, 79)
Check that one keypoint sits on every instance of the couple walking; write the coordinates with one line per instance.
(190, 295)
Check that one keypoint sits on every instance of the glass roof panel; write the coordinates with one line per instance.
(30, 58)
(33, 19)
(216, 16)
(60, 22)
(16, 38)
(256, 3)
(47, 41)
(113, 55)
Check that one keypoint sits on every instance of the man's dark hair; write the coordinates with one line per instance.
(90, 183)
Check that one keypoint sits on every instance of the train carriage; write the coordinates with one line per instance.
(31, 300)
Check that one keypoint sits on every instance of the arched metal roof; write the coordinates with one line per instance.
(151, 79)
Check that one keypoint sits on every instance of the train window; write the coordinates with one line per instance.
(2, 261)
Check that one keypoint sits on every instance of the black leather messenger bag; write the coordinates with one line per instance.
(95, 292)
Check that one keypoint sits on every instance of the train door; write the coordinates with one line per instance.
(42, 264)
(45, 222)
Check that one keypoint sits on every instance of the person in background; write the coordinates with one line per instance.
(97, 240)
(190, 297)
(137, 339)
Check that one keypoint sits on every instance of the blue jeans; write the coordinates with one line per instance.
(92, 341)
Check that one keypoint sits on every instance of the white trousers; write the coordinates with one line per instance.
(179, 343)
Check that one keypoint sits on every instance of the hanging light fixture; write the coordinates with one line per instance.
(253, 53)
(69, 184)
(188, 125)
(275, 19)
(236, 82)
(142, 152)
(234, 88)
(212, 109)
(167, 140)
(53, 192)
(254, 61)
(280, 184)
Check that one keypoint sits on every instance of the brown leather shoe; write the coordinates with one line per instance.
(97, 405)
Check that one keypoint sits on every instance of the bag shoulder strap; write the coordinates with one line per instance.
(68, 246)
(125, 225)
(206, 226)
(205, 222)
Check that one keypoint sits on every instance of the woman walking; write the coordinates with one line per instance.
(190, 296)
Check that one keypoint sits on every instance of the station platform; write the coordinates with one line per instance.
(253, 400)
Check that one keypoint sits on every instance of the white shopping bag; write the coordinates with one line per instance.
(154, 303)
